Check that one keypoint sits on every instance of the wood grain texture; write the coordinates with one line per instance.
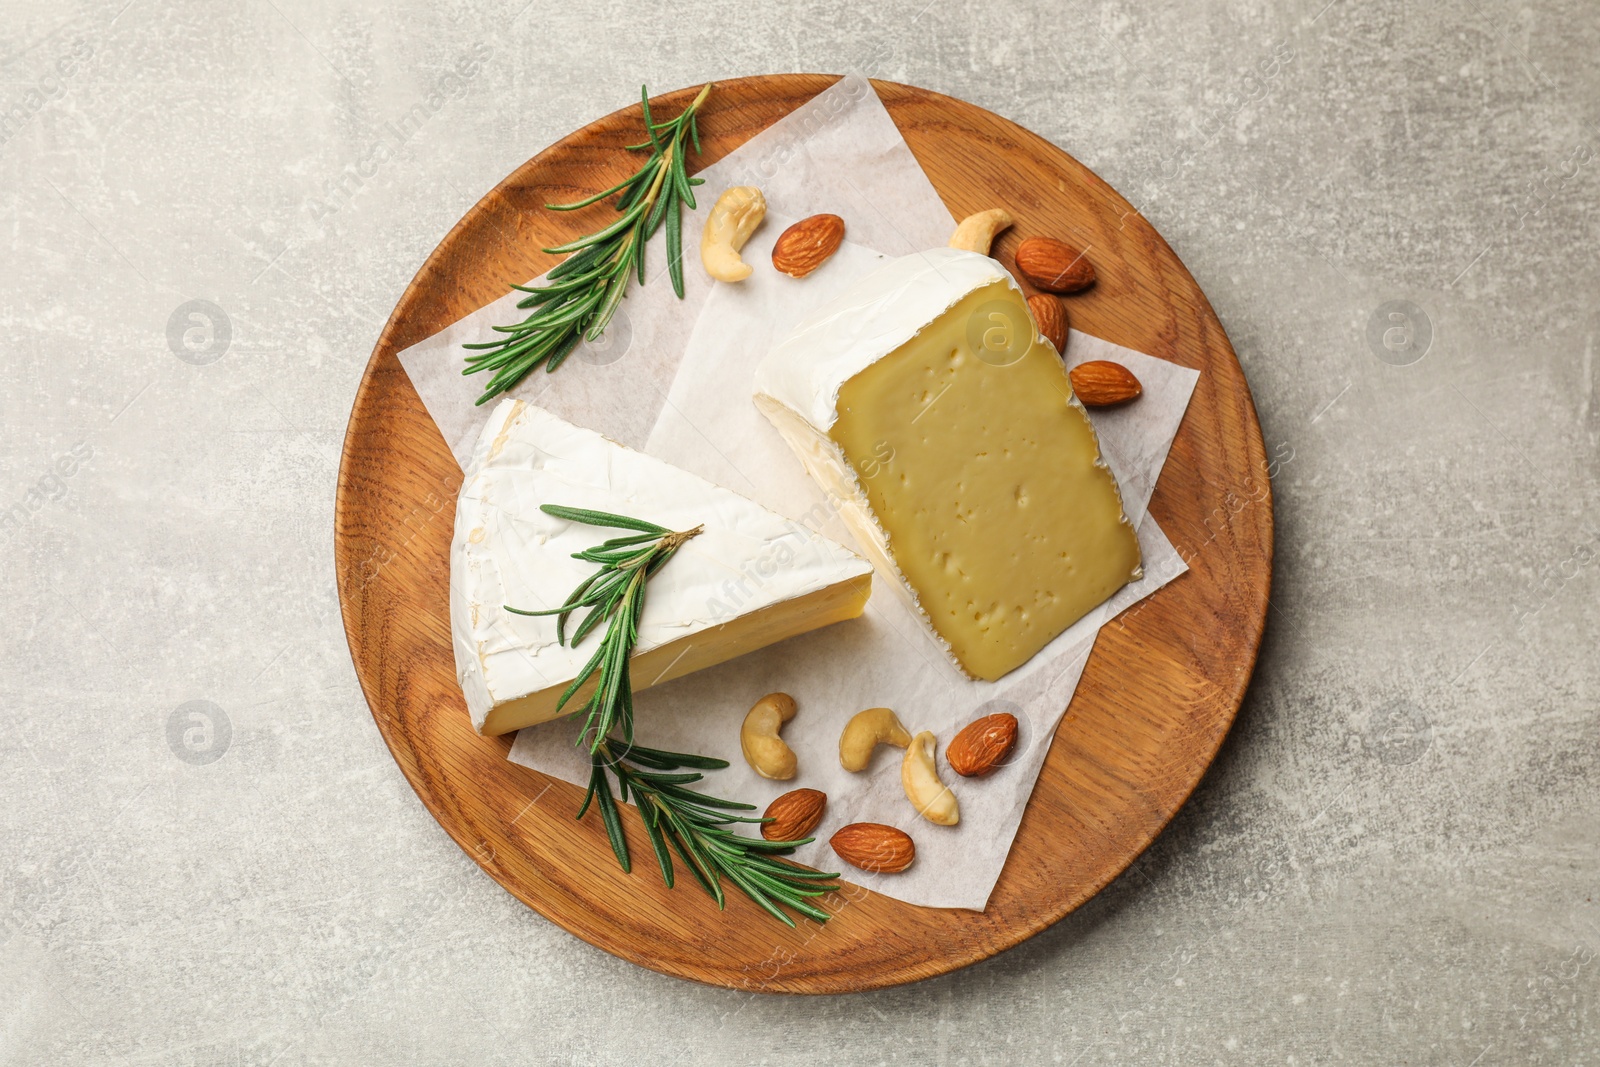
(1154, 703)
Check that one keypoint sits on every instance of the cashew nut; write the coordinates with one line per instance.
(931, 797)
(976, 232)
(763, 749)
(865, 731)
(731, 221)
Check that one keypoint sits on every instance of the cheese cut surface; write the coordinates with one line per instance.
(929, 404)
(751, 579)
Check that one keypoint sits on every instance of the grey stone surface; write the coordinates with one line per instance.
(1395, 858)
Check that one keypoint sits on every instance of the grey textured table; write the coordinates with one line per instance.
(1393, 208)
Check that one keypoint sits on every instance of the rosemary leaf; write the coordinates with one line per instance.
(582, 293)
(615, 595)
(678, 759)
(613, 821)
(690, 823)
(677, 818)
(601, 518)
(657, 844)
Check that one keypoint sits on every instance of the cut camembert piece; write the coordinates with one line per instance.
(751, 579)
(926, 402)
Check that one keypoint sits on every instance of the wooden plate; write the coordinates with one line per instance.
(1159, 693)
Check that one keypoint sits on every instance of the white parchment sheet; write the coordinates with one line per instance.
(680, 389)
(840, 153)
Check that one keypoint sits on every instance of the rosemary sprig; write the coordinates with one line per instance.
(696, 827)
(693, 825)
(581, 294)
(615, 592)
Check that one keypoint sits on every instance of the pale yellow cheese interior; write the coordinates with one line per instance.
(987, 482)
(747, 633)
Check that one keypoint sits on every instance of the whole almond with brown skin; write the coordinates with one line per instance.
(1054, 266)
(1051, 317)
(1101, 383)
(875, 847)
(803, 247)
(982, 744)
(794, 815)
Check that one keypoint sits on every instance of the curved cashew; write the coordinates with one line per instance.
(763, 749)
(865, 731)
(931, 797)
(976, 232)
(731, 221)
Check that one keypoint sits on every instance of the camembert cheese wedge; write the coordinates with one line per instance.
(751, 579)
(926, 403)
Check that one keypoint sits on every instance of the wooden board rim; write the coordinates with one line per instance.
(1251, 601)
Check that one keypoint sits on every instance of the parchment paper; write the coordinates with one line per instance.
(840, 153)
(680, 389)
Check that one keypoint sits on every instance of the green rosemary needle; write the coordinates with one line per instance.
(581, 294)
(615, 592)
(693, 825)
(696, 827)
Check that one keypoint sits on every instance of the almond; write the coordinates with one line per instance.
(873, 846)
(1054, 266)
(1051, 317)
(794, 815)
(1101, 383)
(803, 247)
(982, 744)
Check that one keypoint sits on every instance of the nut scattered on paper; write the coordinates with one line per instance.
(1101, 383)
(794, 815)
(920, 779)
(729, 224)
(872, 846)
(865, 731)
(982, 744)
(767, 753)
(806, 245)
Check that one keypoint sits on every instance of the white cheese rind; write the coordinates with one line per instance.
(880, 313)
(825, 462)
(797, 384)
(506, 551)
(799, 389)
